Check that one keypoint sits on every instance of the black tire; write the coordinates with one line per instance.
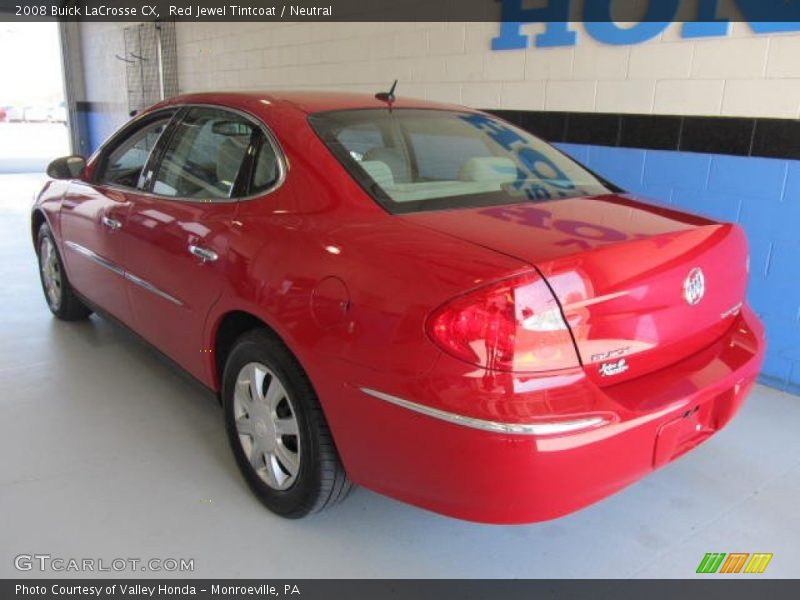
(321, 480)
(65, 305)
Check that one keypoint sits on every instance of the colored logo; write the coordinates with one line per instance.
(694, 287)
(610, 27)
(735, 562)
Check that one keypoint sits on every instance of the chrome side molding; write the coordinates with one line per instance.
(544, 428)
(151, 288)
(104, 262)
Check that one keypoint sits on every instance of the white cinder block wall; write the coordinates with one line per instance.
(742, 75)
(104, 74)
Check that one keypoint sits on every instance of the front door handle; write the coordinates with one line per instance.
(112, 224)
(203, 253)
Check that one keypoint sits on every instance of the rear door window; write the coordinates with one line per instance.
(205, 155)
(266, 171)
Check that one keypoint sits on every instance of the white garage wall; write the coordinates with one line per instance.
(104, 74)
(742, 75)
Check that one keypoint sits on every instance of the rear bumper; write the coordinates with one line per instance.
(463, 470)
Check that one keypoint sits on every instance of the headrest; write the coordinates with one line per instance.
(490, 168)
(394, 159)
(379, 171)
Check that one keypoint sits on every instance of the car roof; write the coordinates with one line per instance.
(309, 101)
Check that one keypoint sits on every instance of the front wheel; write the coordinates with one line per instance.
(277, 430)
(61, 299)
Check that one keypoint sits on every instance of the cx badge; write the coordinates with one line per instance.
(694, 287)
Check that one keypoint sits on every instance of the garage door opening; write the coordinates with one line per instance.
(33, 110)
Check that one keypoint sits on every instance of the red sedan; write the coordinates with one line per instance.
(419, 298)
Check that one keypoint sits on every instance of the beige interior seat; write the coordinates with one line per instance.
(496, 169)
(394, 159)
(379, 171)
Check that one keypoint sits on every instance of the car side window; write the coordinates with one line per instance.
(123, 166)
(266, 171)
(205, 155)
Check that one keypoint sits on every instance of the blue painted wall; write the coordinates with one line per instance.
(99, 127)
(761, 194)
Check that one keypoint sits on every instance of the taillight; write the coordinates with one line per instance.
(512, 325)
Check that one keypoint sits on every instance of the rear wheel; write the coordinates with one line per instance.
(61, 299)
(277, 430)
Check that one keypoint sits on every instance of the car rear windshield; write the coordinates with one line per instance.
(412, 160)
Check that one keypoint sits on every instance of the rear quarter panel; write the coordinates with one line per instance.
(320, 224)
(286, 247)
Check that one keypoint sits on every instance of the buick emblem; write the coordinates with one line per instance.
(694, 287)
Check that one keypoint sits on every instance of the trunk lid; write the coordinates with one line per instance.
(641, 286)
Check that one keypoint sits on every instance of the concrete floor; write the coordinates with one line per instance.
(106, 452)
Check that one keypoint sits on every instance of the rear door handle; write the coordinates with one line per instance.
(203, 253)
(111, 223)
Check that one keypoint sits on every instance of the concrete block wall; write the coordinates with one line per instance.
(742, 75)
(104, 80)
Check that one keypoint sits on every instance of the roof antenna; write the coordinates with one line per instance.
(387, 97)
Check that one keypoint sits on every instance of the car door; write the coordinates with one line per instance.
(94, 211)
(177, 231)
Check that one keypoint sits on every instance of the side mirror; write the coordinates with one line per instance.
(66, 167)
